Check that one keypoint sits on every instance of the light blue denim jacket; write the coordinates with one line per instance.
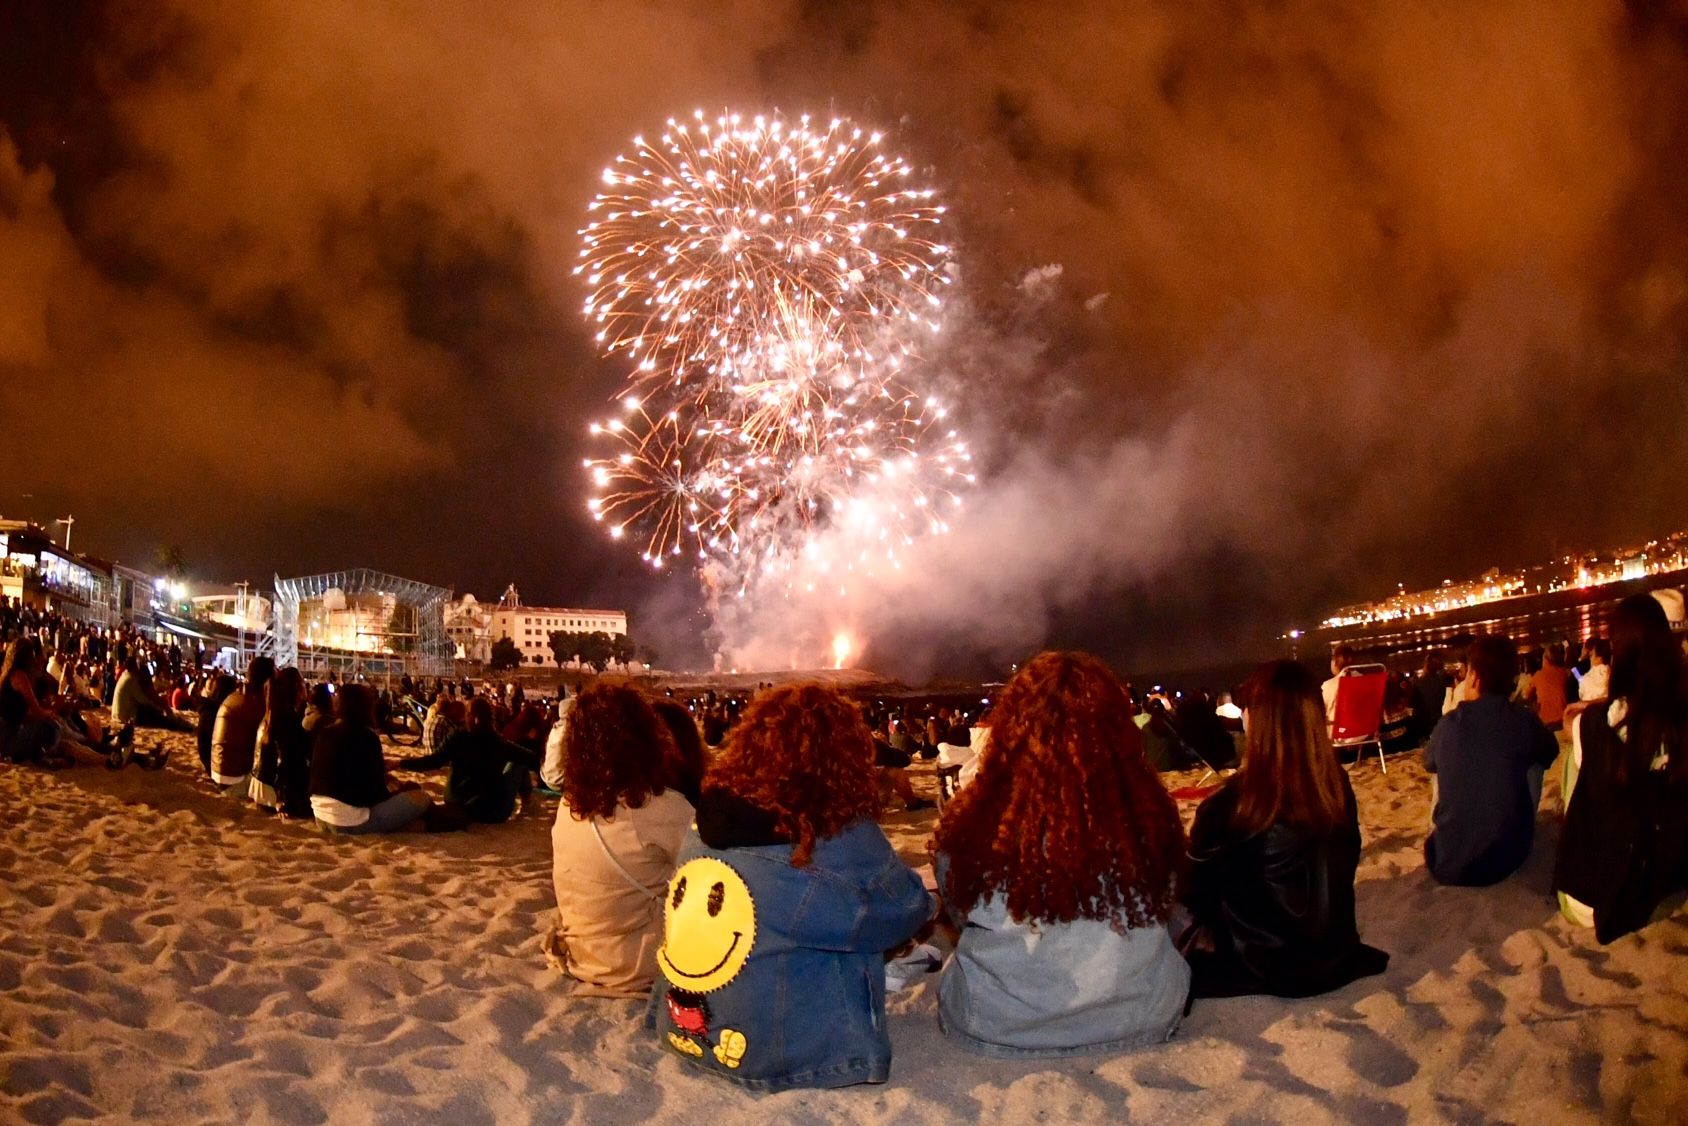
(803, 1000)
(1058, 989)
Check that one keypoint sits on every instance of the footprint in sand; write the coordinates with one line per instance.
(1596, 961)
(119, 884)
(223, 917)
(114, 928)
(58, 1106)
(1157, 1077)
(64, 922)
(1375, 1059)
(413, 950)
(266, 897)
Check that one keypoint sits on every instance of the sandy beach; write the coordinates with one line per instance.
(166, 955)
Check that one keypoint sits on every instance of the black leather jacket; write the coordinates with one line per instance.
(1277, 907)
(1623, 850)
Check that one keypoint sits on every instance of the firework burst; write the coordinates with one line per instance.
(769, 283)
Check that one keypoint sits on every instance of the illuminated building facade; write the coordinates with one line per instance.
(531, 627)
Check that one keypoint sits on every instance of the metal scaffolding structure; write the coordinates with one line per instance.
(381, 650)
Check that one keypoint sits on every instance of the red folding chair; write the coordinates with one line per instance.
(1359, 710)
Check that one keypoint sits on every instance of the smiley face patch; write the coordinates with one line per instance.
(709, 926)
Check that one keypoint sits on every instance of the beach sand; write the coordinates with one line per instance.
(169, 955)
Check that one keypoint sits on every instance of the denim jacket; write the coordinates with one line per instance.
(1058, 989)
(773, 976)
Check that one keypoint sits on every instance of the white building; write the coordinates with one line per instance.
(468, 623)
(531, 627)
(36, 571)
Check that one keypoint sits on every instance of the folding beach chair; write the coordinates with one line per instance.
(1214, 770)
(1359, 710)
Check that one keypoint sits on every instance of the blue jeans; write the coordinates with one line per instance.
(389, 816)
(28, 741)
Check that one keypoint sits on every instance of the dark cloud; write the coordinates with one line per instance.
(1392, 291)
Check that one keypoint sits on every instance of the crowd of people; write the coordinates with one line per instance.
(724, 857)
(60, 672)
(1078, 917)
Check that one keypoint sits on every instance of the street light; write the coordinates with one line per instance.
(67, 521)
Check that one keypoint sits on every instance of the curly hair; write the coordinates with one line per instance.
(615, 752)
(804, 754)
(1066, 819)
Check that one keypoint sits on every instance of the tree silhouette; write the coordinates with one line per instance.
(171, 560)
(505, 655)
(596, 649)
(562, 645)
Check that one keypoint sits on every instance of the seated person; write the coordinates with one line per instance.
(350, 789)
(1623, 854)
(29, 731)
(135, 703)
(551, 769)
(1488, 756)
(1340, 658)
(1429, 691)
(234, 738)
(615, 841)
(319, 709)
(715, 723)
(893, 775)
(218, 687)
(1547, 688)
(281, 774)
(1058, 864)
(66, 699)
(444, 719)
(788, 895)
(1595, 683)
(1273, 855)
(1462, 689)
(489, 774)
(690, 759)
(74, 685)
(896, 734)
(966, 755)
(1203, 733)
(1163, 746)
(527, 729)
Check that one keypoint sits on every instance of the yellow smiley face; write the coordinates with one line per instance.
(708, 928)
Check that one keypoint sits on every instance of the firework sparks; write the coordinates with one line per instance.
(768, 283)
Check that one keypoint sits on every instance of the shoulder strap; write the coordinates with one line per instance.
(654, 897)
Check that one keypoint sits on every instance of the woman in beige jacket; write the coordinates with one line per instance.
(615, 841)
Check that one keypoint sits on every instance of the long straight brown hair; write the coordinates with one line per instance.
(1289, 773)
(281, 698)
(1647, 674)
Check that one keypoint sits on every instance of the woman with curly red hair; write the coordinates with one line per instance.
(787, 897)
(1059, 863)
(615, 841)
(1271, 886)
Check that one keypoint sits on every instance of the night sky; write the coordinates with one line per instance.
(1263, 307)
